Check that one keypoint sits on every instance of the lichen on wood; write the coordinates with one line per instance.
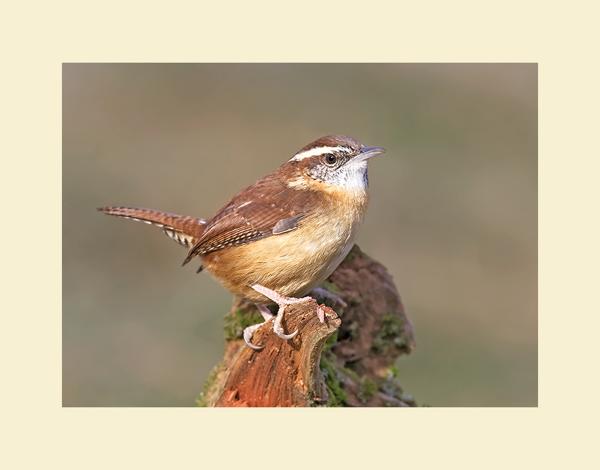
(347, 361)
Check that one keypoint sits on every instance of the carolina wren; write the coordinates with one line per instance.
(285, 234)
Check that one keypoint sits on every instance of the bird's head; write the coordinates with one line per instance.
(336, 161)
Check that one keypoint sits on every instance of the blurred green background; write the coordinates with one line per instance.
(453, 214)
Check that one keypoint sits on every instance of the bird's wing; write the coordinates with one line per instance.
(265, 209)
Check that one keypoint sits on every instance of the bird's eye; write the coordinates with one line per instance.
(330, 159)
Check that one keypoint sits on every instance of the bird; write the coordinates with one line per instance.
(278, 239)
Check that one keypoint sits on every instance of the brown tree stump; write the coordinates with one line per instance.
(346, 361)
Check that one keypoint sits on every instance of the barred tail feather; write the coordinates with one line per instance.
(184, 230)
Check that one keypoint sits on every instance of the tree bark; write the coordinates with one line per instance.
(346, 361)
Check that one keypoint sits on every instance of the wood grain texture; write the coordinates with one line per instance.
(285, 373)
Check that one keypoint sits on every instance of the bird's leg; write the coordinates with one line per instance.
(282, 301)
(249, 331)
(278, 298)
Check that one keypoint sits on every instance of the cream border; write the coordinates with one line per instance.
(38, 433)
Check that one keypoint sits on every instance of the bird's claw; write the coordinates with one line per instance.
(248, 332)
(278, 328)
(279, 332)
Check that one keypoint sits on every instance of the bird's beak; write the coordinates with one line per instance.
(368, 152)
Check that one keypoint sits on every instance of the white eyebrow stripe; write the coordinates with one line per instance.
(317, 151)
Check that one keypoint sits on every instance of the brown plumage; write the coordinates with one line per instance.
(264, 209)
(183, 229)
(288, 231)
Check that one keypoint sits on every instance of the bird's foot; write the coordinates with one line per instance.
(278, 298)
(249, 331)
(283, 301)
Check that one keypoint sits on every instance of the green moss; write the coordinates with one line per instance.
(337, 395)
(393, 372)
(390, 334)
(368, 388)
(236, 322)
(202, 399)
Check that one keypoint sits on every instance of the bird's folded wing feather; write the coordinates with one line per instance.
(265, 209)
